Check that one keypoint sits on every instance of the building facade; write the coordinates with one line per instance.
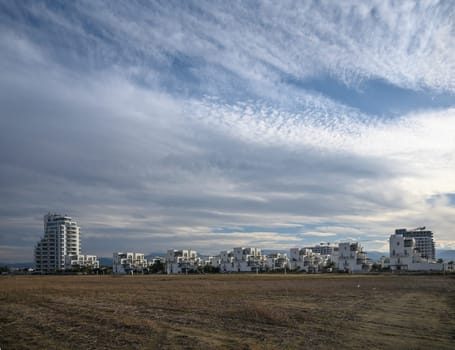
(405, 255)
(61, 238)
(276, 261)
(350, 257)
(307, 260)
(81, 262)
(181, 261)
(247, 259)
(323, 248)
(128, 263)
(423, 241)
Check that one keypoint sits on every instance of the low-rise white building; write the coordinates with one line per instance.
(79, 262)
(181, 261)
(248, 259)
(404, 255)
(128, 263)
(211, 262)
(226, 261)
(276, 261)
(306, 260)
(242, 259)
(350, 257)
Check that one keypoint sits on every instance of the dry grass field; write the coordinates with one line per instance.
(227, 312)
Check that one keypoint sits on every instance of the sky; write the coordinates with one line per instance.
(209, 125)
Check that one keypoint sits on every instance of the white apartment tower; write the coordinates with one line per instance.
(424, 242)
(61, 238)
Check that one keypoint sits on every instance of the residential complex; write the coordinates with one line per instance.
(251, 260)
(60, 250)
(406, 253)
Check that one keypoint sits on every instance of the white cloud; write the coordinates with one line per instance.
(318, 234)
(421, 145)
(407, 44)
(445, 244)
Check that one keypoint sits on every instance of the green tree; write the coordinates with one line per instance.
(157, 267)
(211, 269)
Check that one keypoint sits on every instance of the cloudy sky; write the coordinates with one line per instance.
(210, 125)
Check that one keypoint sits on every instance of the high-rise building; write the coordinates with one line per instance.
(61, 238)
(424, 242)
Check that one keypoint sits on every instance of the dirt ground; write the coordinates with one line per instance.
(228, 312)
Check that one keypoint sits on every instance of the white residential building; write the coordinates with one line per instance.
(61, 238)
(405, 255)
(276, 261)
(306, 260)
(226, 261)
(424, 242)
(181, 261)
(350, 257)
(128, 263)
(212, 261)
(323, 248)
(242, 259)
(248, 259)
(156, 260)
(79, 262)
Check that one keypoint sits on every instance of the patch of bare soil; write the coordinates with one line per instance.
(227, 312)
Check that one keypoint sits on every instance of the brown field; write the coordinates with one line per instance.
(227, 312)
